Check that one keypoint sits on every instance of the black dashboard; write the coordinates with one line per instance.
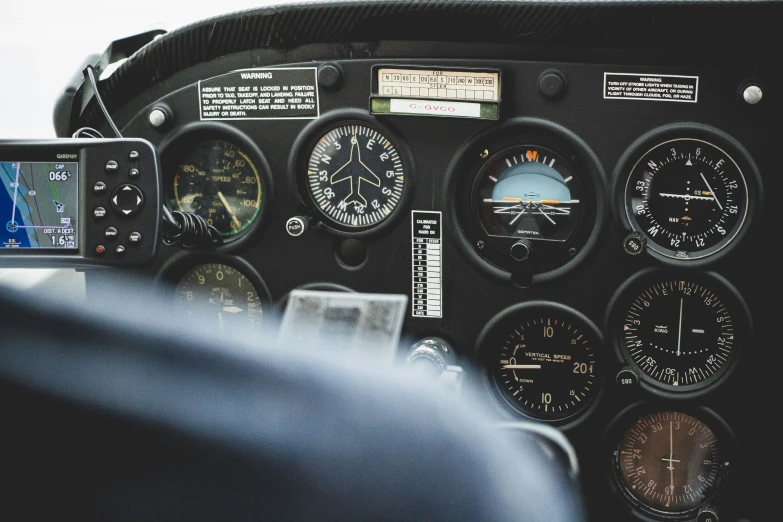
(573, 197)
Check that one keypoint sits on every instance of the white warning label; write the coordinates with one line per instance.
(260, 94)
(651, 87)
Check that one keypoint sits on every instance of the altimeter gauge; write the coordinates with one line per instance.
(222, 296)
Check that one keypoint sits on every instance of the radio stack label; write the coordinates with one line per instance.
(427, 256)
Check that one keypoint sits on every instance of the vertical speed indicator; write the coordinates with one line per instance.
(542, 360)
(355, 177)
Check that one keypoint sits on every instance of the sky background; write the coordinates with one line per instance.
(43, 43)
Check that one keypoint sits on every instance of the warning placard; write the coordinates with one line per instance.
(256, 94)
(651, 87)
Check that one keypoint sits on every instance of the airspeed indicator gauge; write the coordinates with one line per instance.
(355, 177)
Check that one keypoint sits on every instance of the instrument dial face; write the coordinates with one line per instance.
(688, 197)
(355, 177)
(543, 362)
(217, 180)
(680, 334)
(669, 464)
(529, 192)
(220, 295)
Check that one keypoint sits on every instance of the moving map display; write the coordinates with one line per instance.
(39, 204)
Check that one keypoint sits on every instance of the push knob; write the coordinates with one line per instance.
(431, 356)
(521, 250)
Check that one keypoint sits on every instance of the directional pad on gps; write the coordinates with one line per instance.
(127, 200)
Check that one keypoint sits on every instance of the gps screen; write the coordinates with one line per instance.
(39, 204)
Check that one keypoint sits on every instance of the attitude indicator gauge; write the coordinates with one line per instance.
(355, 177)
(530, 194)
(688, 196)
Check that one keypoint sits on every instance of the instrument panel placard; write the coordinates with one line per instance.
(427, 233)
(260, 94)
(651, 87)
(439, 84)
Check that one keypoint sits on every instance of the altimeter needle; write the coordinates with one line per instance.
(230, 210)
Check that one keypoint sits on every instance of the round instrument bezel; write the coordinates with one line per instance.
(497, 330)
(624, 420)
(644, 280)
(477, 246)
(187, 137)
(300, 155)
(712, 136)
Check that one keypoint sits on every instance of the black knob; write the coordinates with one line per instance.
(329, 76)
(521, 250)
(552, 84)
(634, 243)
(707, 513)
(627, 378)
(297, 225)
